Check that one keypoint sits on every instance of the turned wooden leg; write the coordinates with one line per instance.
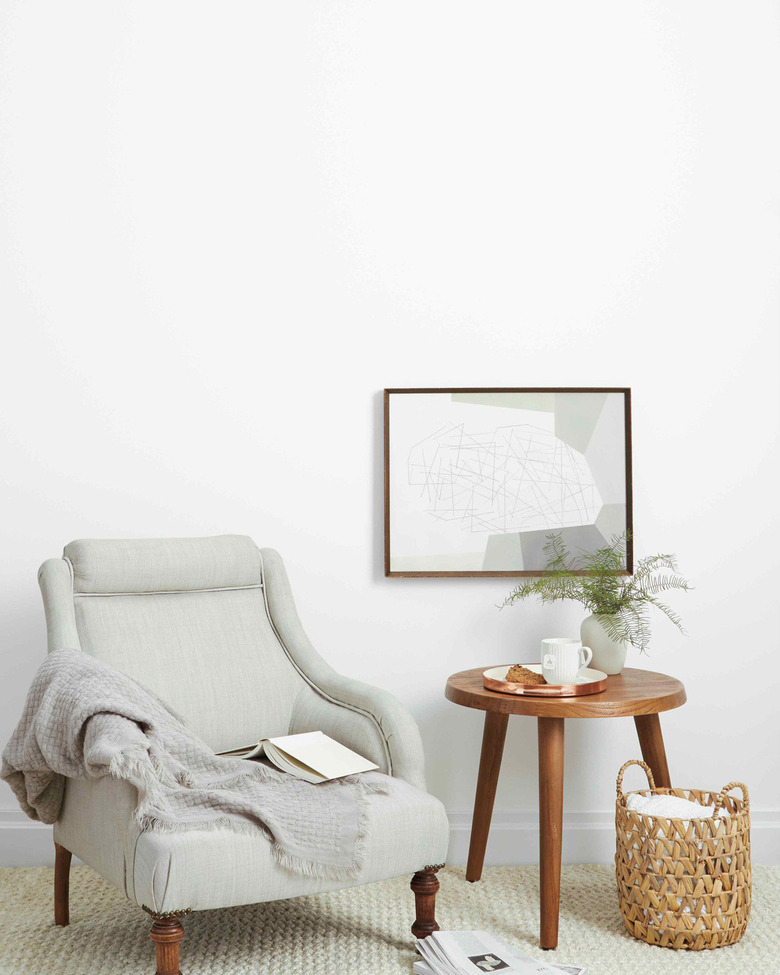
(166, 934)
(550, 826)
(489, 766)
(425, 885)
(62, 858)
(651, 741)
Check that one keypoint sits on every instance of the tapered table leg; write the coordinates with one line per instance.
(651, 741)
(550, 826)
(489, 766)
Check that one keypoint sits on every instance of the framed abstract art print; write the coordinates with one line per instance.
(477, 479)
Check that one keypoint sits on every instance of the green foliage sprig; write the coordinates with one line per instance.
(597, 579)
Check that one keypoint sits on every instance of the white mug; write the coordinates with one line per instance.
(563, 658)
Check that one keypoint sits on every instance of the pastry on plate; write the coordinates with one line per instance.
(522, 675)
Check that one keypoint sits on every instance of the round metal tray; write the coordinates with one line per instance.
(591, 682)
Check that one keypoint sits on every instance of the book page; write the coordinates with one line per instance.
(247, 751)
(329, 758)
(286, 763)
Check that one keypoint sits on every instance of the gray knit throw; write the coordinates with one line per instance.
(85, 719)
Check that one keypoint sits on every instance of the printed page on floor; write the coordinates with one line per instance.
(472, 952)
(421, 967)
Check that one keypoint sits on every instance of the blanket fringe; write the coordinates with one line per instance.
(312, 868)
(333, 871)
(149, 822)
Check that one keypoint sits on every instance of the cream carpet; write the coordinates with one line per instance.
(364, 930)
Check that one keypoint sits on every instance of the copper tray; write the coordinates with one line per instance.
(593, 682)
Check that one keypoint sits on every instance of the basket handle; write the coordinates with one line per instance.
(721, 797)
(634, 761)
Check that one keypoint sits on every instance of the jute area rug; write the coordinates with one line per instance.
(363, 930)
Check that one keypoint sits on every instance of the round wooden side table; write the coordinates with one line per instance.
(640, 694)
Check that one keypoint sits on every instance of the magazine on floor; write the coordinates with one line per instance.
(311, 756)
(473, 952)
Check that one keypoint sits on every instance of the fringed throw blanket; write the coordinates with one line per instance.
(83, 718)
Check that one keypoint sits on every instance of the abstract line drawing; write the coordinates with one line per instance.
(476, 479)
(514, 478)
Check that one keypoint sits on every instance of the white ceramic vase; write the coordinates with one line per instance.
(608, 655)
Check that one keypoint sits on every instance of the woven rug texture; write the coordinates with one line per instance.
(363, 930)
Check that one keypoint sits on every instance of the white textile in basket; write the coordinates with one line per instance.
(672, 807)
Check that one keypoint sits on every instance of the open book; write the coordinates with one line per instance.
(311, 756)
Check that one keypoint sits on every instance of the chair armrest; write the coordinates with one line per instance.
(364, 718)
(368, 719)
(96, 824)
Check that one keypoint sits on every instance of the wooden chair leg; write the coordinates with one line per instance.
(425, 885)
(166, 934)
(62, 858)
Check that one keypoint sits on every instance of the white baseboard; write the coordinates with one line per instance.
(23, 842)
(514, 838)
(587, 837)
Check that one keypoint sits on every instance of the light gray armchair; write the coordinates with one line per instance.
(210, 625)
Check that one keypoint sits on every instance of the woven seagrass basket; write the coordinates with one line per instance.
(684, 883)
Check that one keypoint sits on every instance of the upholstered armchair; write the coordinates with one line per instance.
(209, 624)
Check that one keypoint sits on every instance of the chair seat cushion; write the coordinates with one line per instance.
(204, 869)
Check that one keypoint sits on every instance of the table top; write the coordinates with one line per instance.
(628, 693)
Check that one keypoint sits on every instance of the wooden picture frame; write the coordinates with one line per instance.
(477, 479)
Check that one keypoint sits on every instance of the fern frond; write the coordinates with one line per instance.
(597, 580)
(614, 626)
(548, 589)
(637, 622)
(651, 563)
(658, 584)
(668, 612)
(558, 557)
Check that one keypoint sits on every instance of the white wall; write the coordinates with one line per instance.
(227, 226)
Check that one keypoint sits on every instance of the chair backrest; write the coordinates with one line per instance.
(188, 618)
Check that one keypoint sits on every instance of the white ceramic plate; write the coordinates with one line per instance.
(586, 676)
(589, 681)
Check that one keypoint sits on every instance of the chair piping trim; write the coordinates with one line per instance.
(154, 592)
(170, 592)
(319, 690)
